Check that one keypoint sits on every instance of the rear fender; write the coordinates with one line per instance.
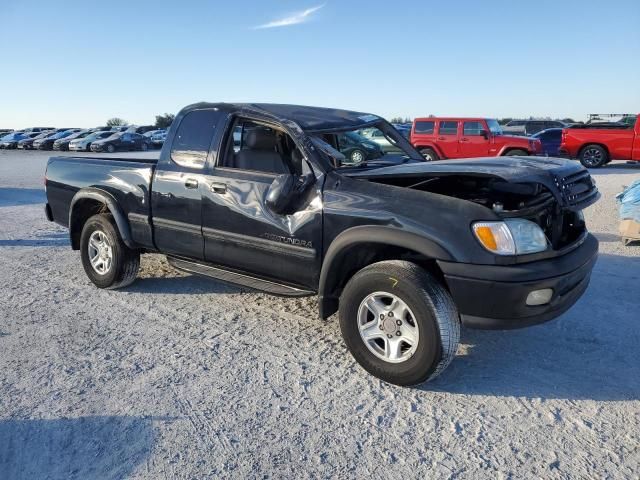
(110, 203)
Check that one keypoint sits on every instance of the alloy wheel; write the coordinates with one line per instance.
(388, 327)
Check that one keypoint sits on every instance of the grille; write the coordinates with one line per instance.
(578, 189)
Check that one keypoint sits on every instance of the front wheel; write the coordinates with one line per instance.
(357, 156)
(107, 261)
(593, 156)
(399, 322)
(111, 148)
(429, 154)
(144, 147)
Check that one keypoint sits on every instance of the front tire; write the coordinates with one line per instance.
(111, 148)
(429, 154)
(357, 156)
(107, 261)
(593, 156)
(399, 322)
(144, 147)
(517, 153)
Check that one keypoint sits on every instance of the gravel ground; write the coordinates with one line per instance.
(182, 377)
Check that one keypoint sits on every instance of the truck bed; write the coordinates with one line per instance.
(127, 180)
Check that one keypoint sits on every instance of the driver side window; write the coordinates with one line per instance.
(256, 147)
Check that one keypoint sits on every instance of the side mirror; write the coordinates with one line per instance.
(485, 134)
(281, 193)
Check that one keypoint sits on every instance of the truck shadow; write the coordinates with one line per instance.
(107, 447)
(187, 285)
(589, 353)
(11, 197)
(49, 239)
(617, 168)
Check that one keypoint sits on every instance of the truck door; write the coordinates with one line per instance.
(474, 141)
(635, 154)
(447, 139)
(240, 230)
(176, 204)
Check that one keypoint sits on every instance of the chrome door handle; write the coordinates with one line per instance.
(218, 187)
(191, 183)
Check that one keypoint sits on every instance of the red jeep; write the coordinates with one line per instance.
(597, 144)
(440, 138)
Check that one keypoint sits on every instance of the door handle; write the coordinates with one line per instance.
(218, 187)
(191, 183)
(441, 138)
(464, 139)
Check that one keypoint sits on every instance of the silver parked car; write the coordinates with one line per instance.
(84, 144)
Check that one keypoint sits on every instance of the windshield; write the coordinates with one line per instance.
(494, 126)
(373, 146)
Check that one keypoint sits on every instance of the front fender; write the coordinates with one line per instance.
(338, 253)
(111, 204)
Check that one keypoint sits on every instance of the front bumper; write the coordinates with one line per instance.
(494, 297)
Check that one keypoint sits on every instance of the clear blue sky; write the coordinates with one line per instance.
(77, 63)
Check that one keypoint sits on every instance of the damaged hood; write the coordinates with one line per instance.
(569, 181)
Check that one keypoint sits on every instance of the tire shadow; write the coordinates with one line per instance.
(589, 353)
(107, 447)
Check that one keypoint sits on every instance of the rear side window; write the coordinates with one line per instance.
(473, 128)
(425, 127)
(191, 143)
(448, 128)
(552, 136)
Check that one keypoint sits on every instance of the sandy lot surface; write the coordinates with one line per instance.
(182, 377)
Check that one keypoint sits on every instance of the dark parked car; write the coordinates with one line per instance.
(27, 143)
(39, 129)
(141, 129)
(46, 143)
(550, 140)
(11, 140)
(406, 250)
(121, 141)
(357, 148)
(62, 144)
(529, 127)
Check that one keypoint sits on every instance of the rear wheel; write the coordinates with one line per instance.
(593, 156)
(399, 322)
(429, 154)
(517, 152)
(107, 261)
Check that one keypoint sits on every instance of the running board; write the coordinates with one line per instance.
(236, 278)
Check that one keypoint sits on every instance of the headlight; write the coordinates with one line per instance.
(514, 236)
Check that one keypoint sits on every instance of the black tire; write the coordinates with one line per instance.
(125, 262)
(517, 152)
(111, 148)
(436, 317)
(429, 154)
(144, 147)
(593, 156)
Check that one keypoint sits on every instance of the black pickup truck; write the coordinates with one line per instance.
(261, 196)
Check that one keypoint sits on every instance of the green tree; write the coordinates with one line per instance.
(116, 122)
(164, 121)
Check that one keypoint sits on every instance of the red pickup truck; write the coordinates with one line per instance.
(441, 138)
(595, 146)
